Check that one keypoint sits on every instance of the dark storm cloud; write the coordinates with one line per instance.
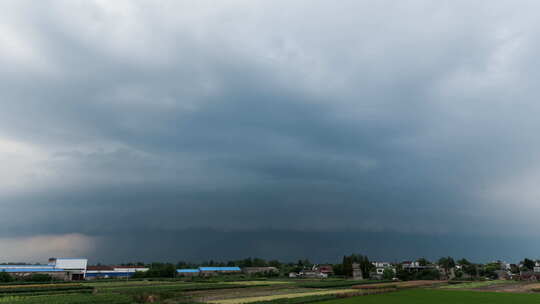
(390, 122)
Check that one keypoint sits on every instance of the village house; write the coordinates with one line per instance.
(326, 269)
(318, 272)
(380, 267)
(414, 266)
(530, 275)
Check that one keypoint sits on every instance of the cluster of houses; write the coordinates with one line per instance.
(316, 271)
(323, 271)
(504, 271)
(508, 271)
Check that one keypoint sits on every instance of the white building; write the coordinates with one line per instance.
(59, 268)
(74, 267)
(380, 267)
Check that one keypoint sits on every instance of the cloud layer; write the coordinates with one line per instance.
(414, 118)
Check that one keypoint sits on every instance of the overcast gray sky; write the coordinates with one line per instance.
(227, 129)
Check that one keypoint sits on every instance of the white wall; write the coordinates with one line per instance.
(71, 263)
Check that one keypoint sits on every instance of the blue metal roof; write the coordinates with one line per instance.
(187, 270)
(31, 269)
(219, 269)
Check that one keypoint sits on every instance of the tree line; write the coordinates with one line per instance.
(345, 268)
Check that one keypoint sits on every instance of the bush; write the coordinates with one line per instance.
(426, 274)
(388, 274)
(157, 270)
(5, 277)
(39, 277)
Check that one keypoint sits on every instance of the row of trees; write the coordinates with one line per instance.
(345, 268)
(247, 262)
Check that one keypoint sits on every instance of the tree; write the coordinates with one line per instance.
(39, 277)
(365, 265)
(305, 263)
(467, 268)
(514, 268)
(427, 274)
(5, 277)
(528, 264)
(388, 274)
(157, 270)
(181, 264)
(403, 274)
(347, 266)
(423, 262)
(447, 263)
(363, 261)
(274, 263)
(338, 269)
(257, 262)
(490, 269)
(470, 269)
(248, 262)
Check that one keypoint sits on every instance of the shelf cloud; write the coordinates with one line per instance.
(130, 121)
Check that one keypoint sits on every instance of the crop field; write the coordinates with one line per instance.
(335, 283)
(252, 291)
(270, 292)
(283, 296)
(430, 296)
(127, 283)
(399, 285)
(259, 283)
(496, 286)
(472, 285)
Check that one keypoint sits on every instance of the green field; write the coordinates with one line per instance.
(267, 292)
(433, 296)
(119, 292)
